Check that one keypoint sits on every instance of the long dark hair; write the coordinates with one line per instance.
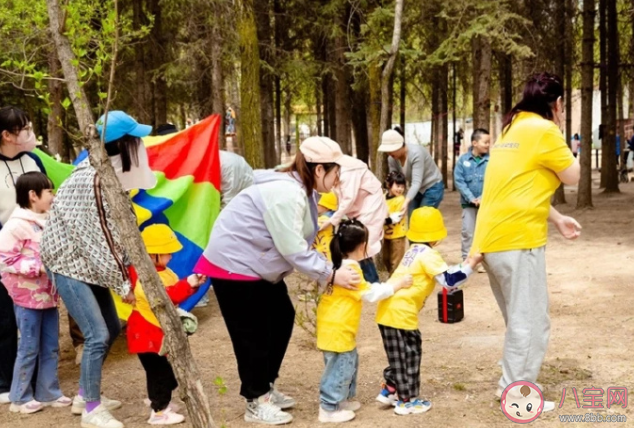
(306, 171)
(13, 120)
(349, 236)
(128, 147)
(540, 92)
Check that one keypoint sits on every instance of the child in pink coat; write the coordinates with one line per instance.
(34, 299)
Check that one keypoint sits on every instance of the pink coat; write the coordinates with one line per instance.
(361, 196)
(20, 263)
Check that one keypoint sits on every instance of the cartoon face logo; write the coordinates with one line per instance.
(522, 402)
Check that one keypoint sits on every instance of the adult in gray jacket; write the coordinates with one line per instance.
(261, 237)
(237, 175)
(426, 188)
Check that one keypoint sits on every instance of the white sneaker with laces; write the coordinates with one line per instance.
(4, 398)
(262, 411)
(99, 418)
(26, 408)
(62, 401)
(281, 400)
(79, 404)
(165, 417)
(335, 417)
(350, 405)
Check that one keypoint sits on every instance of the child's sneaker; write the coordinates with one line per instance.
(62, 401)
(165, 417)
(174, 407)
(387, 397)
(281, 400)
(100, 417)
(263, 411)
(412, 407)
(336, 416)
(4, 398)
(26, 408)
(79, 404)
(350, 405)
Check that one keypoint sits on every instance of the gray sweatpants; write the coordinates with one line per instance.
(518, 282)
(469, 215)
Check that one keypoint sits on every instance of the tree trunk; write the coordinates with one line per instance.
(374, 108)
(386, 75)
(342, 88)
(250, 108)
(287, 117)
(159, 57)
(325, 96)
(265, 38)
(560, 35)
(142, 80)
(403, 94)
(506, 82)
(603, 85)
(278, 119)
(185, 369)
(319, 108)
(54, 129)
(360, 119)
(608, 164)
(435, 115)
(482, 83)
(217, 79)
(443, 120)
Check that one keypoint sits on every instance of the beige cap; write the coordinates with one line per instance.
(391, 141)
(324, 150)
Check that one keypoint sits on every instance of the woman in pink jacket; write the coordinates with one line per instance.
(361, 197)
(34, 298)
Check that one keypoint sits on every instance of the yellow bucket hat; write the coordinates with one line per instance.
(160, 239)
(426, 225)
(329, 200)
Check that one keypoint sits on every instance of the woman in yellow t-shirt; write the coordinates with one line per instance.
(338, 318)
(527, 164)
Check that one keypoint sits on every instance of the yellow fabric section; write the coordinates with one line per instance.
(124, 310)
(401, 310)
(324, 237)
(395, 231)
(169, 278)
(339, 315)
(518, 184)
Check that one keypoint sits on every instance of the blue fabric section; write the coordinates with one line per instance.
(37, 160)
(83, 155)
(454, 278)
(469, 177)
(155, 204)
(189, 304)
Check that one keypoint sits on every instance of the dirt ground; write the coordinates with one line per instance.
(590, 345)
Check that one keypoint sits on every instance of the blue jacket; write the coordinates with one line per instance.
(469, 177)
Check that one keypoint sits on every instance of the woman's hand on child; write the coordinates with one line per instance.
(326, 225)
(196, 280)
(347, 278)
(396, 217)
(129, 298)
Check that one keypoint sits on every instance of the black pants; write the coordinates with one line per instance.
(404, 352)
(259, 316)
(8, 340)
(160, 380)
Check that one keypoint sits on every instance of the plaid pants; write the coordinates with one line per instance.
(404, 351)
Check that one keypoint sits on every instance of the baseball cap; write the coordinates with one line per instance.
(324, 150)
(120, 124)
(391, 141)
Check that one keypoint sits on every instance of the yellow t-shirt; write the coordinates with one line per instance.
(339, 315)
(324, 237)
(401, 310)
(518, 184)
(169, 278)
(398, 230)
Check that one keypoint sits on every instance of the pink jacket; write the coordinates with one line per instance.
(20, 263)
(361, 196)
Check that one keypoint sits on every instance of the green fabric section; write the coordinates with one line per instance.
(195, 207)
(56, 171)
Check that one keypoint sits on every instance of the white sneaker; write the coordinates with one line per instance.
(79, 404)
(62, 401)
(99, 418)
(414, 407)
(26, 408)
(335, 417)
(281, 400)
(172, 405)
(262, 411)
(79, 353)
(350, 405)
(4, 398)
(165, 417)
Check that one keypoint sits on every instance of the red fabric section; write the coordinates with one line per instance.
(444, 304)
(144, 336)
(196, 150)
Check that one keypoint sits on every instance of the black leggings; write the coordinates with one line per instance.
(259, 316)
(160, 380)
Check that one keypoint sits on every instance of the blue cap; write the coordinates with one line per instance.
(120, 124)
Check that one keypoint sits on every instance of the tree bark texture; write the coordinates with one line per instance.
(250, 87)
(505, 62)
(584, 198)
(443, 120)
(608, 162)
(54, 129)
(379, 167)
(560, 36)
(482, 83)
(183, 363)
(360, 119)
(265, 40)
(217, 78)
(374, 110)
(141, 89)
(342, 85)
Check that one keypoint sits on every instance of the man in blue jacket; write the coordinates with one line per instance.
(469, 179)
